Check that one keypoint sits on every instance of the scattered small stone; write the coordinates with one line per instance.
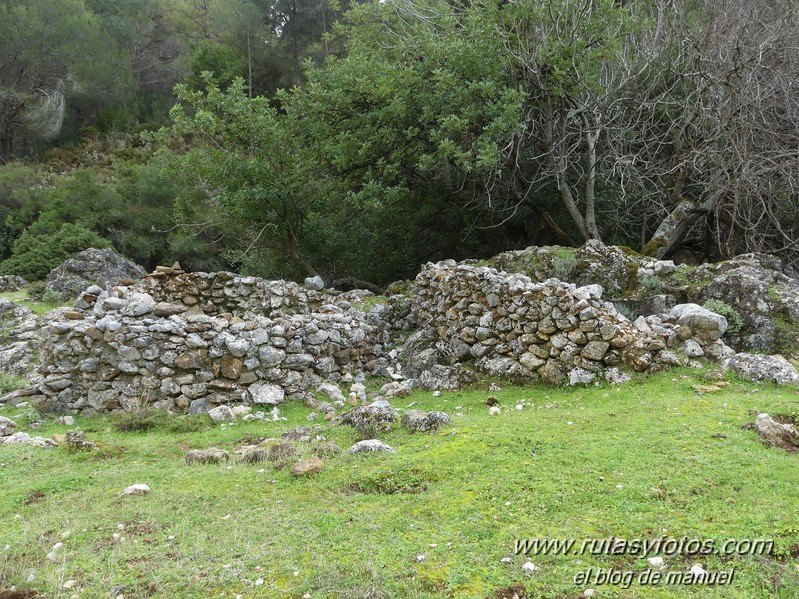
(135, 490)
(776, 434)
(212, 455)
(70, 584)
(26, 439)
(508, 561)
(309, 466)
(493, 411)
(67, 420)
(529, 567)
(222, 414)
(7, 426)
(77, 441)
(698, 571)
(370, 445)
(655, 562)
(589, 593)
(421, 558)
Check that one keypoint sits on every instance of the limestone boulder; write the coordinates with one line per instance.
(752, 367)
(91, 267)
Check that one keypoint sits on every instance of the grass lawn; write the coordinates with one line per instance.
(648, 459)
(38, 307)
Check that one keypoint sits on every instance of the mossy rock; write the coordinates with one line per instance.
(651, 248)
(628, 250)
(400, 287)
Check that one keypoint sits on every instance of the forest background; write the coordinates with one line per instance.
(284, 138)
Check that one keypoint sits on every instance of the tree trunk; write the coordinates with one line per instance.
(672, 230)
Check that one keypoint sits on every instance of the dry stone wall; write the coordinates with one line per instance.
(154, 345)
(226, 292)
(510, 326)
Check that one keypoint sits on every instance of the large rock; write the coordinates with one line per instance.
(26, 439)
(775, 433)
(221, 414)
(91, 267)
(419, 421)
(7, 426)
(305, 467)
(705, 325)
(264, 393)
(376, 417)
(775, 369)
(762, 290)
(11, 283)
(212, 455)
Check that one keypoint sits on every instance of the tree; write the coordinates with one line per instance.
(243, 158)
(49, 53)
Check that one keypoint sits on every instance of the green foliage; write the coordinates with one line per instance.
(563, 265)
(9, 382)
(51, 296)
(146, 419)
(650, 282)
(735, 321)
(51, 52)
(33, 256)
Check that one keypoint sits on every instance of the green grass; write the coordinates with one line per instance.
(22, 298)
(461, 497)
(9, 382)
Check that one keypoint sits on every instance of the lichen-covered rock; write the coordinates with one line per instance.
(310, 466)
(758, 288)
(254, 455)
(76, 441)
(265, 393)
(420, 421)
(11, 283)
(706, 325)
(315, 283)
(221, 414)
(369, 446)
(91, 267)
(777, 434)
(212, 455)
(19, 339)
(372, 418)
(7, 426)
(775, 369)
(25, 439)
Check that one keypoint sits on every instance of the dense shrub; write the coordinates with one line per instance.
(734, 320)
(33, 256)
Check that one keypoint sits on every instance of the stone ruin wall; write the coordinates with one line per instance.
(194, 341)
(553, 331)
(226, 292)
(191, 342)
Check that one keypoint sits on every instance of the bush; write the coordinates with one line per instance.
(734, 320)
(9, 382)
(563, 265)
(33, 256)
(51, 296)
